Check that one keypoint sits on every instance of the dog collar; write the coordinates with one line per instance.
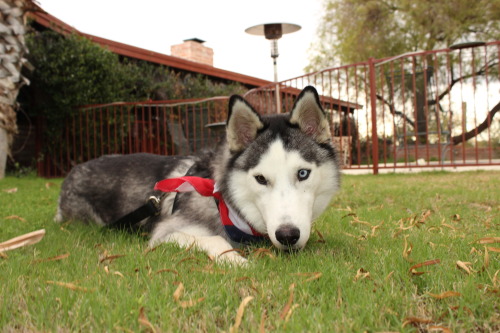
(237, 228)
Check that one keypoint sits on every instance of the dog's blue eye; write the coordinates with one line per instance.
(303, 174)
(261, 180)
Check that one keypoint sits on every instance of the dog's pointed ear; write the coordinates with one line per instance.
(243, 122)
(308, 114)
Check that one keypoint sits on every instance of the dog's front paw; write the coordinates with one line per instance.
(232, 258)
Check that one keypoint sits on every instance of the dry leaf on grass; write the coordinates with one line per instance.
(188, 259)
(465, 266)
(424, 216)
(150, 249)
(435, 328)
(321, 238)
(178, 292)
(239, 314)
(15, 217)
(449, 226)
(361, 274)
(10, 190)
(48, 185)
(23, 240)
(495, 280)
(416, 321)
(489, 240)
(262, 326)
(56, 258)
(118, 273)
(311, 276)
(356, 220)
(486, 263)
(167, 270)
(261, 252)
(493, 249)
(110, 258)
(374, 228)
(413, 268)
(143, 320)
(71, 286)
(232, 250)
(288, 304)
(289, 314)
(446, 294)
(407, 250)
(184, 304)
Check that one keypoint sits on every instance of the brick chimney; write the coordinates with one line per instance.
(194, 50)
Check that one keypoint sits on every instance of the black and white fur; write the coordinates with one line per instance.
(278, 172)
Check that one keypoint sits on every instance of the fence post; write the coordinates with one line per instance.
(373, 106)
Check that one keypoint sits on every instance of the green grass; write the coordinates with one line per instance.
(352, 276)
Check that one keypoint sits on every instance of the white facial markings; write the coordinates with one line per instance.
(295, 192)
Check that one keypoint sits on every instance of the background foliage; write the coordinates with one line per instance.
(72, 71)
(353, 30)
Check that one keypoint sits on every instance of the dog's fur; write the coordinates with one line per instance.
(277, 172)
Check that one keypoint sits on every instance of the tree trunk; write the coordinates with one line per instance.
(12, 30)
(4, 148)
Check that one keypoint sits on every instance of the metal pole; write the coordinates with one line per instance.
(373, 106)
(274, 55)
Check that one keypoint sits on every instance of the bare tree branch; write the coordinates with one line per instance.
(480, 72)
(396, 112)
(457, 139)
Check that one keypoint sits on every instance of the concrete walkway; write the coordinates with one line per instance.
(413, 167)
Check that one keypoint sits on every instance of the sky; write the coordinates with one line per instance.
(158, 24)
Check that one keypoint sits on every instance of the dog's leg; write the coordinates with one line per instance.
(215, 246)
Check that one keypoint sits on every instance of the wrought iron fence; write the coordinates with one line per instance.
(168, 128)
(421, 109)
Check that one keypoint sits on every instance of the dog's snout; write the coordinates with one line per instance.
(287, 235)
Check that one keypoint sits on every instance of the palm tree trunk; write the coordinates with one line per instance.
(8, 128)
(12, 50)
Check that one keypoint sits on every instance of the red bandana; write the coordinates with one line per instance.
(236, 228)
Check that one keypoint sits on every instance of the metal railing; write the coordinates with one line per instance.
(421, 109)
(160, 127)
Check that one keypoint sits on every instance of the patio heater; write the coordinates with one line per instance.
(273, 32)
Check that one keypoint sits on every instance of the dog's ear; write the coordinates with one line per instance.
(243, 122)
(308, 114)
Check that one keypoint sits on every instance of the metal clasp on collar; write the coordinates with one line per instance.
(155, 201)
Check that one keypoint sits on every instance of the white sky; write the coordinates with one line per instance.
(157, 24)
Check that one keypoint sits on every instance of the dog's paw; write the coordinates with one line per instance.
(232, 258)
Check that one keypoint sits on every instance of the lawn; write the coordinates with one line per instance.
(396, 252)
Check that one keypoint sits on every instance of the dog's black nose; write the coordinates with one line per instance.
(287, 235)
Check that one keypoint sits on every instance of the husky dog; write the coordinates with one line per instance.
(275, 175)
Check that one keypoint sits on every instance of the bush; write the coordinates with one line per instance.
(72, 71)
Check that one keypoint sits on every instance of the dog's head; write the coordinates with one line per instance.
(282, 170)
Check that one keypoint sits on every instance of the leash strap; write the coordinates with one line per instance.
(150, 208)
(239, 231)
